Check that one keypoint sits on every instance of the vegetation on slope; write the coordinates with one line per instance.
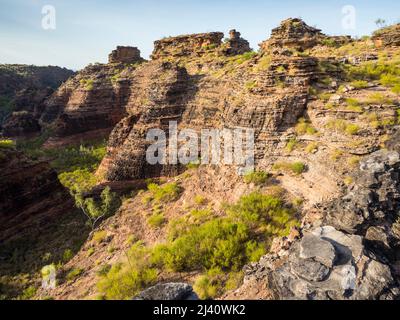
(214, 246)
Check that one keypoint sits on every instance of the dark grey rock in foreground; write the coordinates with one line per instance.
(168, 291)
(353, 253)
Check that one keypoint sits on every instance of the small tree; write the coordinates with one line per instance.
(381, 23)
(96, 210)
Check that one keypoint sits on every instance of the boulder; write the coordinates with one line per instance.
(325, 264)
(168, 291)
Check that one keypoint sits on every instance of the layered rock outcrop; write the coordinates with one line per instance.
(162, 100)
(94, 99)
(236, 44)
(167, 92)
(125, 55)
(295, 34)
(186, 45)
(387, 37)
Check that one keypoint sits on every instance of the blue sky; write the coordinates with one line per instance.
(87, 30)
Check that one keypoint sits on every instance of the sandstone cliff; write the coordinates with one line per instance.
(94, 100)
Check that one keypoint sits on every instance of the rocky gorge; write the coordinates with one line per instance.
(317, 219)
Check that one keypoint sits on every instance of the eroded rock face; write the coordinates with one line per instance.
(387, 37)
(186, 45)
(168, 291)
(295, 34)
(94, 99)
(163, 100)
(30, 194)
(125, 55)
(236, 45)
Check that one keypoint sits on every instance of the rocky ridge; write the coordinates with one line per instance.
(23, 90)
(388, 36)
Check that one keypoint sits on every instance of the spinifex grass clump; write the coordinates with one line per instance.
(256, 177)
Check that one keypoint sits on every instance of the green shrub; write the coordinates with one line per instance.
(200, 200)
(265, 211)
(291, 145)
(390, 80)
(95, 210)
(7, 144)
(201, 215)
(379, 98)
(305, 127)
(359, 84)
(78, 181)
(329, 42)
(325, 96)
(88, 84)
(73, 274)
(156, 220)
(67, 255)
(245, 57)
(281, 69)
(167, 193)
(200, 241)
(336, 154)
(28, 293)
(353, 105)
(205, 287)
(103, 270)
(352, 129)
(215, 282)
(234, 280)
(263, 63)
(126, 280)
(295, 167)
(250, 85)
(99, 236)
(311, 147)
(216, 243)
(256, 177)
(354, 161)
(348, 180)
(193, 165)
(396, 89)
(90, 252)
(369, 71)
(342, 126)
